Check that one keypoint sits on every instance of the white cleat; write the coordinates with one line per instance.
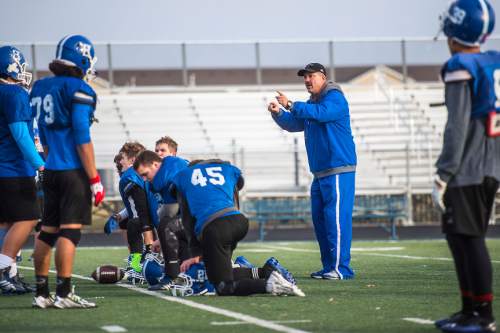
(276, 284)
(42, 302)
(73, 301)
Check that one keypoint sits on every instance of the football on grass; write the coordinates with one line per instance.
(108, 274)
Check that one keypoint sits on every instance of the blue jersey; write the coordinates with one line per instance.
(54, 100)
(170, 166)
(14, 108)
(209, 190)
(129, 179)
(483, 69)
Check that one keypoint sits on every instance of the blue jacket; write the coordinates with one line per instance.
(326, 123)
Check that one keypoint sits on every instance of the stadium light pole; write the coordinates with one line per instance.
(332, 60)
(404, 66)
(258, 69)
(184, 65)
(33, 62)
(111, 77)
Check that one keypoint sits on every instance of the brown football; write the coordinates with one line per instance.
(108, 274)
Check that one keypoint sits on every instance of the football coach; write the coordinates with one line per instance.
(325, 120)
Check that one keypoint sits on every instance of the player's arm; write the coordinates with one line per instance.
(332, 107)
(21, 135)
(458, 102)
(81, 133)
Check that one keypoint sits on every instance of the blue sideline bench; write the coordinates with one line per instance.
(383, 210)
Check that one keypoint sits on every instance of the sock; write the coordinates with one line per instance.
(483, 306)
(63, 286)
(467, 302)
(247, 287)
(5, 261)
(42, 285)
(135, 263)
(13, 270)
(240, 273)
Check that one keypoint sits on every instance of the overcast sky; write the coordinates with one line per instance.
(126, 20)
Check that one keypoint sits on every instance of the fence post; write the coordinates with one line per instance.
(233, 149)
(258, 69)
(111, 76)
(331, 57)
(296, 161)
(404, 66)
(409, 203)
(33, 62)
(184, 65)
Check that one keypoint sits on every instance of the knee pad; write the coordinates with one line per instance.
(226, 288)
(48, 238)
(74, 235)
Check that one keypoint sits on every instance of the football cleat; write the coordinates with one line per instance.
(165, 283)
(19, 280)
(278, 285)
(318, 274)
(133, 277)
(471, 324)
(72, 301)
(458, 316)
(8, 285)
(243, 262)
(275, 265)
(43, 302)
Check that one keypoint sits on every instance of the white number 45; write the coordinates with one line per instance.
(214, 174)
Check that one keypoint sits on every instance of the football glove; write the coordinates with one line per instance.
(97, 190)
(110, 225)
(438, 190)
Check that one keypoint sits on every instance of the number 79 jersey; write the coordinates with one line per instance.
(52, 99)
(209, 189)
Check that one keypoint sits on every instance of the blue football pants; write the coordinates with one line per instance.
(332, 202)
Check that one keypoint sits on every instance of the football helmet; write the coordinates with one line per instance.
(468, 22)
(193, 282)
(153, 268)
(13, 65)
(77, 51)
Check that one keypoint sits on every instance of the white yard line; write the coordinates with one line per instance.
(231, 323)
(354, 249)
(400, 256)
(227, 313)
(419, 321)
(113, 328)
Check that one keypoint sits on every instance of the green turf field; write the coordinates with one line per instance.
(395, 280)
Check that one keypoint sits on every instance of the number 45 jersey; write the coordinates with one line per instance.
(64, 108)
(209, 191)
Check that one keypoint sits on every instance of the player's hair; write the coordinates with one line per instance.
(208, 161)
(132, 149)
(147, 157)
(116, 160)
(168, 141)
(60, 69)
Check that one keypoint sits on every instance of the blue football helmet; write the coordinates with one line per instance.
(153, 268)
(468, 22)
(193, 282)
(77, 51)
(13, 65)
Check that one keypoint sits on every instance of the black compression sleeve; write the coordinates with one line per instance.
(139, 204)
(188, 222)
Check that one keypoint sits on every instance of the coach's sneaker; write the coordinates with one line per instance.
(472, 324)
(73, 301)
(318, 274)
(275, 265)
(458, 316)
(43, 302)
(277, 285)
(243, 262)
(332, 275)
(165, 283)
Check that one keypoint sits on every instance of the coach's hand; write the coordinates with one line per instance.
(188, 263)
(97, 190)
(438, 190)
(282, 99)
(273, 107)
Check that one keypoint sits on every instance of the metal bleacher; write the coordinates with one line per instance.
(398, 135)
